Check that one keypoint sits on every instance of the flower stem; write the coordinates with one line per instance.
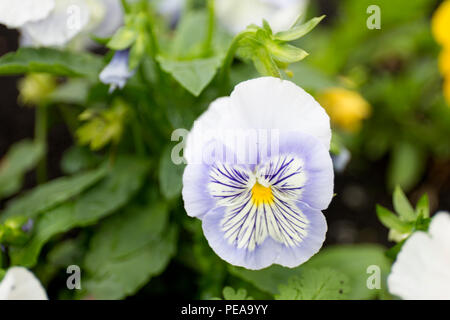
(230, 55)
(40, 132)
(207, 45)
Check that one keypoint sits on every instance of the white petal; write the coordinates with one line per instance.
(66, 21)
(111, 20)
(15, 13)
(21, 284)
(265, 104)
(236, 15)
(422, 268)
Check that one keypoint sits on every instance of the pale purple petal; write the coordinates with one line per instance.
(117, 72)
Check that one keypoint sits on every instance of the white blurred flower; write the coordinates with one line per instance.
(21, 284)
(422, 268)
(236, 15)
(341, 160)
(57, 22)
(171, 9)
(117, 72)
(15, 14)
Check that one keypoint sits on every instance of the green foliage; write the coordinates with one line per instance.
(170, 175)
(316, 284)
(194, 75)
(271, 52)
(352, 261)
(52, 61)
(102, 127)
(127, 250)
(51, 194)
(405, 221)
(118, 212)
(230, 294)
(122, 182)
(21, 157)
(406, 166)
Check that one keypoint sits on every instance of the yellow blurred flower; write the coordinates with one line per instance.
(447, 89)
(346, 108)
(34, 88)
(444, 62)
(440, 24)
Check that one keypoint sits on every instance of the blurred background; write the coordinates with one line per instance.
(384, 92)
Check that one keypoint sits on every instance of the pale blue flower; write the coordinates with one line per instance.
(236, 15)
(117, 72)
(259, 173)
(341, 160)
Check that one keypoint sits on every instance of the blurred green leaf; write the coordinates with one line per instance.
(193, 75)
(352, 261)
(391, 221)
(423, 206)
(170, 175)
(190, 35)
(74, 91)
(51, 194)
(316, 284)
(53, 61)
(21, 157)
(124, 179)
(123, 38)
(406, 165)
(287, 53)
(127, 251)
(230, 294)
(267, 279)
(77, 159)
(402, 205)
(298, 31)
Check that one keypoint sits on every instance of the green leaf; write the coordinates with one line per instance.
(402, 205)
(52, 61)
(170, 175)
(122, 39)
(193, 75)
(406, 165)
(423, 207)
(51, 194)
(137, 52)
(264, 63)
(77, 159)
(267, 279)
(298, 31)
(316, 284)
(353, 261)
(287, 53)
(127, 250)
(391, 221)
(21, 157)
(73, 91)
(230, 294)
(123, 181)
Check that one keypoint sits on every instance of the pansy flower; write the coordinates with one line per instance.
(117, 72)
(55, 23)
(422, 268)
(259, 173)
(21, 284)
(236, 15)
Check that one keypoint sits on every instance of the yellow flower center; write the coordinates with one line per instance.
(261, 194)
